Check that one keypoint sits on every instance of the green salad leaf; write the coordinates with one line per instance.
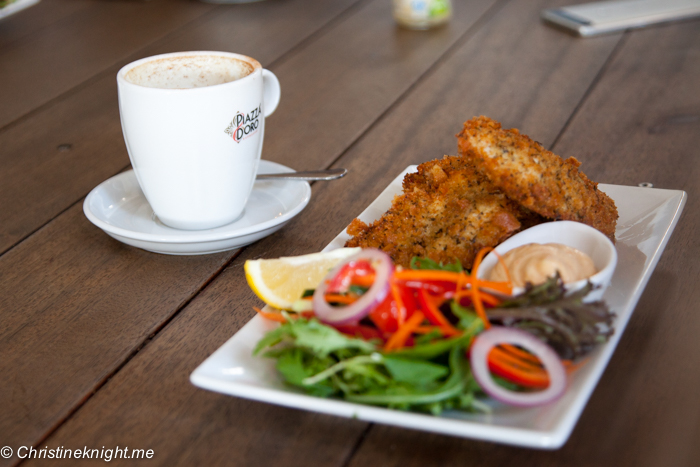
(431, 376)
(427, 263)
(314, 336)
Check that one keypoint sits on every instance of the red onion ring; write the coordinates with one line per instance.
(497, 335)
(383, 268)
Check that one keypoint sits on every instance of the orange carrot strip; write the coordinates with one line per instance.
(401, 318)
(513, 373)
(490, 299)
(450, 331)
(502, 287)
(398, 339)
(480, 311)
(485, 297)
(272, 316)
(476, 295)
(364, 281)
(448, 276)
(461, 289)
(527, 358)
(479, 258)
(461, 283)
(428, 275)
(338, 298)
(525, 365)
(521, 354)
(505, 268)
(571, 367)
(461, 292)
(279, 317)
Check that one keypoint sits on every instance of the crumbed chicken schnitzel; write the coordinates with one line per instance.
(502, 183)
(534, 177)
(447, 211)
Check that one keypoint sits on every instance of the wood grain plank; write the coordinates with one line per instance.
(358, 72)
(152, 392)
(54, 158)
(22, 328)
(73, 313)
(640, 123)
(68, 52)
(78, 306)
(187, 426)
(36, 173)
(32, 20)
(514, 69)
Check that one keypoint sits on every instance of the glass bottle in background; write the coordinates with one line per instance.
(422, 14)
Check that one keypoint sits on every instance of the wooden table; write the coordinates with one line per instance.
(98, 339)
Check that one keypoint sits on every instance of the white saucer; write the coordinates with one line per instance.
(119, 207)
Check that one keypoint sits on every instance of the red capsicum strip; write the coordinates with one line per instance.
(516, 371)
(434, 315)
(356, 272)
(521, 354)
(399, 338)
(454, 277)
(523, 364)
(527, 380)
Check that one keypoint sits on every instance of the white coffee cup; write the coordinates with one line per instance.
(194, 123)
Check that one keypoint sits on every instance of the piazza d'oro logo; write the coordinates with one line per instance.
(244, 125)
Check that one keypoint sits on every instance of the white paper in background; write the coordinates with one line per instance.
(589, 19)
(16, 6)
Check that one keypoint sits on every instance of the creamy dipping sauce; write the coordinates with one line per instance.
(535, 263)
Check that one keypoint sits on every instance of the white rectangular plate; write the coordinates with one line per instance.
(647, 219)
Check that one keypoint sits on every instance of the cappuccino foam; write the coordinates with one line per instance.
(187, 72)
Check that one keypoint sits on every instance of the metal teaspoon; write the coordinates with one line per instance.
(309, 175)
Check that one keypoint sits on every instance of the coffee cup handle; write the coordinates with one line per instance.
(271, 92)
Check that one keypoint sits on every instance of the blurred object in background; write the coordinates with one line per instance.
(7, 7)
(589, 19)
(230, 1)
(422, 14)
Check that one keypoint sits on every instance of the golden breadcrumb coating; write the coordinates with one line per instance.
(447, 212)
(534, 177)
(503, 182)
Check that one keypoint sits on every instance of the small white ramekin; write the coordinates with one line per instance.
(574, 234)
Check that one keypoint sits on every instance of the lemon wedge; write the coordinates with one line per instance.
(281, 282)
